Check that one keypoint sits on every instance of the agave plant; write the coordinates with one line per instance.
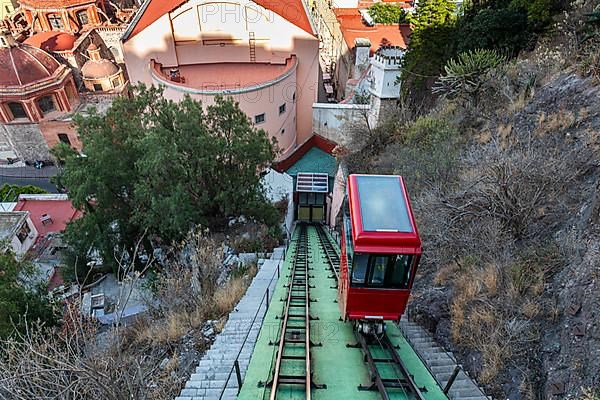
(465, 74)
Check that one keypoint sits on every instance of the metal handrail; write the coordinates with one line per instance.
(236, 364)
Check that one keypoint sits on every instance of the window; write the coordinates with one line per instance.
(116, 82)
(282, 109)
(17, 110)
(55, 21)
(83, 18)
(115, 52)
(97, 87)
(382, 270)
(23, 233)
(259, 119)
(348, 232)
(359, 269)
(294, 97)
(283, 131)
(46, 104)
(64, 138)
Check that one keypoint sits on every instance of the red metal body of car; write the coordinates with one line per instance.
(381, 249)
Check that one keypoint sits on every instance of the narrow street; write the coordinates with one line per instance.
(29, 176)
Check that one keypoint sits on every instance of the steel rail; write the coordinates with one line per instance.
(398, 362)
(328, 249)
(382, 385)
(372, 366)
(296, 279)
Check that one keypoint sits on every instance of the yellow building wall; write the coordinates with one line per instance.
(7, 7)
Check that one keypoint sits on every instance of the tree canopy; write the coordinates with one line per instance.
(19, 303)
(154, 167)
(10, 193)
(386, 13)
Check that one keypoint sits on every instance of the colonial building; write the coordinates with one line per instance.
(100, 74)
(262, 53)
(66, 27)
(33, 85)
(7, 7)
(37, 96)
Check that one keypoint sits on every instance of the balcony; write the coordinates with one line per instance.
(222, 78)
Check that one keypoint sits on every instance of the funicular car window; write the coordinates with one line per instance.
(359, 269)
(381, 271)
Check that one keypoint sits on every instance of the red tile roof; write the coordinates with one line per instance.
(22, 65)
(353, 28)
(51, 41)
(54, 3)
(61, 212)
(317, 141)
(152, 10)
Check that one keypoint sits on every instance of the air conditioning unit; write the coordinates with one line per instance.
(31, 235)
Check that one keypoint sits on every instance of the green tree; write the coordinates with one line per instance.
(433, 13)
(431, 45)
(200, 166)
(11, 193)
(386, 13)
(499, 29)
(20, 304)
(154, 168)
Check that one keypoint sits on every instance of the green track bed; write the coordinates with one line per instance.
(334, 364)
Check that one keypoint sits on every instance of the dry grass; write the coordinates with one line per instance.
(590, 394)
(555, 122)
(228, 296)
(188, 293)
(493, 304)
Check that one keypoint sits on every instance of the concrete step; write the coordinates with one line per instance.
(442, 369)
(441, 363)
(236, 341)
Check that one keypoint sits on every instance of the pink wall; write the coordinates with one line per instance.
(200, 28)
(266, 100)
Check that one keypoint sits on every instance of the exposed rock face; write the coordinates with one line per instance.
(571, 346)
(564, 114)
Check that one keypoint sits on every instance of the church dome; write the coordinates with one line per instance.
(21, 65)
(98, 69)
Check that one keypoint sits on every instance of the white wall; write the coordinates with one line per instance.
(337, 121)
(21, 248)
(345, 4)
(383, 77)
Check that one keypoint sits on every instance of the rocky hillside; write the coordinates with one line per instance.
(505, 182)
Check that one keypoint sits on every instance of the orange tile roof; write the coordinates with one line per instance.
(353, 28)
(54, 3)
(152, 10)
(51, 41)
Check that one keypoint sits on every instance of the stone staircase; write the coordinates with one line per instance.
(441, 364)
(215, 377)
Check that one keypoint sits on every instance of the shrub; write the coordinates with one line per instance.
(385, 13)
(10, 193)
(499, 29)
(466, 74)
(426, 154)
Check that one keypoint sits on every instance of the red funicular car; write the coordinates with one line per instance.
(381, 249)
